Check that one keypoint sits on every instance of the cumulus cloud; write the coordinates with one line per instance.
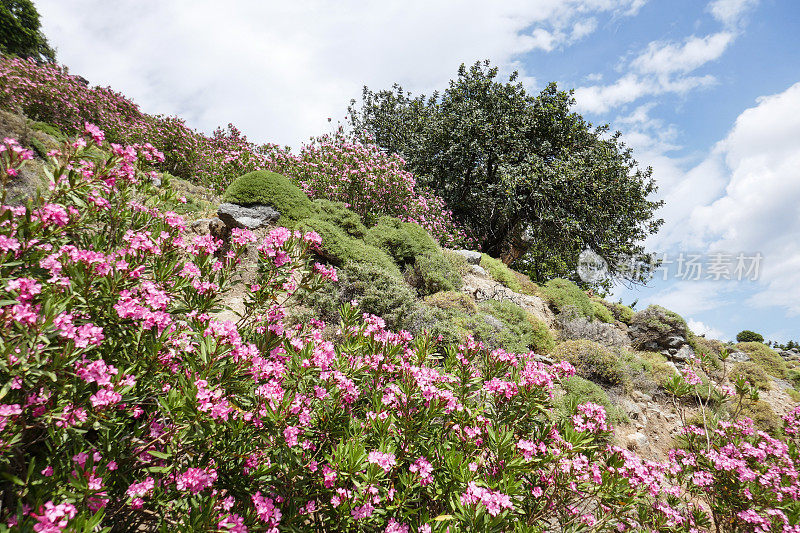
(278, 70)
(700, 328)
(665, 58)
(758, 211)
(730, 12)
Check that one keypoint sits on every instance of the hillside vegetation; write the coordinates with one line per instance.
(341, 369)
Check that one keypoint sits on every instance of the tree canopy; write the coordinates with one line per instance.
(533, 180)
(21, 33)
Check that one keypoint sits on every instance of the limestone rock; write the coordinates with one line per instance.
(738, 357)
(237, 216)
(479, 271)
(473, 258)
(637, 441)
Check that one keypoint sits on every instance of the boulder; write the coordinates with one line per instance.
(684, 354)
(237, 216)
(479, 271)
(473, 258)
(738, 357)
(656, 329)
(637, 441)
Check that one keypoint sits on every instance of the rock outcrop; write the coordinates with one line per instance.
(253, 217)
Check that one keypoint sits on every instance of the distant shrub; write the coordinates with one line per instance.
(763, 416)
(339, 248)
(269, 188)
(654, 366)
(49, 129)
(336, 213)
(522, 331)
(404, 241)
(432, 272)
(749, 336)
(451, 300)
(578, 390)
(765, 357)
(380, 293)
(601, 312)
(500, 272)
(561, 294)
(592, 361)
(623, 313)
(651, 326)
(753, 373)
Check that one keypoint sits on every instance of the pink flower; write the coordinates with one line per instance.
(195, 480)
(384, 460)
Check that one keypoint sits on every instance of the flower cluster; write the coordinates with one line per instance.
(133, 397)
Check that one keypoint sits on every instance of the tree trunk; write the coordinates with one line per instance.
(516, 242)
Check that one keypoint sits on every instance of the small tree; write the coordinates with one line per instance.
(21, 33)
(534, 181)
(749, 336)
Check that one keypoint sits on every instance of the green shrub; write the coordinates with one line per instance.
(601, 312)
(653, 368)
(50, 130)
(522, 331)
(457, 261)
(592, 361)
(451, 300)
(749, 336)
(578, 390)
(500, 272)
(753, 373)
(269, 188)
(38, 147)
(763, 416)
(339, 248)
(623, 313)
(380, 293)
(793, 375)
(432, 272)
(561, 293)
(404, 241)
(765, 357)
(337, 214)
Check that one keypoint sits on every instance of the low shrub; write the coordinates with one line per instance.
(601, 312)
(793, 376)
(268, 188)
(379, 292)
(763, 416)
(623, 313)
(592, 361)
(432, 272)
(451, 300)
(339, 248)
(649, 368)
(457, 261)
(500, 272)
(765, 357)
(753, 373)
(336, 213)
(522, 331)
(404, 241)
(49, 129)
(563, 295)
(578, 390)
(749, 336)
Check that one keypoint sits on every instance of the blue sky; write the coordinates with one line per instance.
(706, 92)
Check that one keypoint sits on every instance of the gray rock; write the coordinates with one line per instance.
(738, 357)
(237, 216)
(473, 258)
(656, 329)
(201, 226)
(493, 322)
(637, 441)
(156, 181)
(593, 330)
(642, 397)
(543, 359)
(479, 270)
(683, 355)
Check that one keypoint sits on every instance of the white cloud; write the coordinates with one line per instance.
(758, 211)
(278, 70)
(631, 87)
(730, 12)
(664, 58)
(699, 328)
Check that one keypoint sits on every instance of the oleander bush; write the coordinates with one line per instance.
(127, 403)
(578, 390)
